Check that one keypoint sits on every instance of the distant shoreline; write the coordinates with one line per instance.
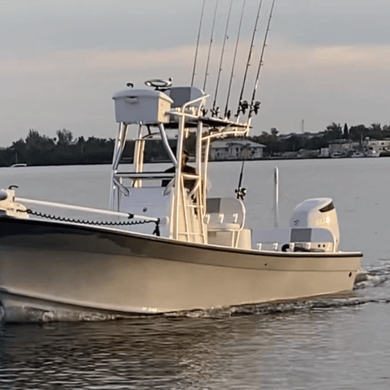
(21, 165)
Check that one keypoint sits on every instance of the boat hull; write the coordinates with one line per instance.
(56, 271)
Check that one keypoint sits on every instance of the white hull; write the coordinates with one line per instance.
(61, 271)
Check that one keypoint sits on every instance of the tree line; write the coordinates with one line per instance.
(39, 149)
(64, 149)
(276, 143)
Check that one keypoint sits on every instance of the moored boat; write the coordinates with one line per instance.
(357, 154)
(19, 165)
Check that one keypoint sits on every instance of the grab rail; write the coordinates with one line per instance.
(90, 210)
(145, 175)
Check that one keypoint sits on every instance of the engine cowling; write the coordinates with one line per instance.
(317, 213)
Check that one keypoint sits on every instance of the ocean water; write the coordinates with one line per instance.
(339, 342)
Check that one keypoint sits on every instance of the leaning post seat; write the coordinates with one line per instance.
(224, 214)
(225, 218)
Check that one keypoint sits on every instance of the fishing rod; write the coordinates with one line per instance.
(227, 113)
(242, 106)
(241, 192)
(255, 106)
(211, 42)
(197, 44)
(214, 110)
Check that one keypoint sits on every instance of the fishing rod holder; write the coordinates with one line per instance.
(255, 108)
(215, 111)
(243, 105)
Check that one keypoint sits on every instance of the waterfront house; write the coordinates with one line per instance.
(236, 150)
(376, 148)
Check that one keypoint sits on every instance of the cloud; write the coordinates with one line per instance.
(283, 56)
(322, 85)
(69, 61)
(73, 88)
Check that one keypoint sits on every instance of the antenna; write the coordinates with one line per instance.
(211, 42)
(242, 106)
(197, 44)
(276, 199)
(254, 106)
(234, 61)
(214, 110)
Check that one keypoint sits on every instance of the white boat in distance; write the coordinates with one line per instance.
(170, 248)
(19, 165)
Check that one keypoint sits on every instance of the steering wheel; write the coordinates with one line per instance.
(158, 83)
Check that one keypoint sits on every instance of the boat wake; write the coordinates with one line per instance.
(282, 307)
(373, 276)
(33, 315)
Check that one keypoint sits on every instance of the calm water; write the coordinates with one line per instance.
(341, 342)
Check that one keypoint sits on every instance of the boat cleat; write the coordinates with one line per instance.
(10, 208)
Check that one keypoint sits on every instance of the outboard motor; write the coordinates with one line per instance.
(317, 213)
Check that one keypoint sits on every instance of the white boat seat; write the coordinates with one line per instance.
(224, 214)
(226, 226)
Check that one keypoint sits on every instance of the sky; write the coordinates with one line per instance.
(61, 62)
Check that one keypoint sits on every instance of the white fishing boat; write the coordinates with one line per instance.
(186, 251)
(168, 247)
(357, 154)
(19, 165)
